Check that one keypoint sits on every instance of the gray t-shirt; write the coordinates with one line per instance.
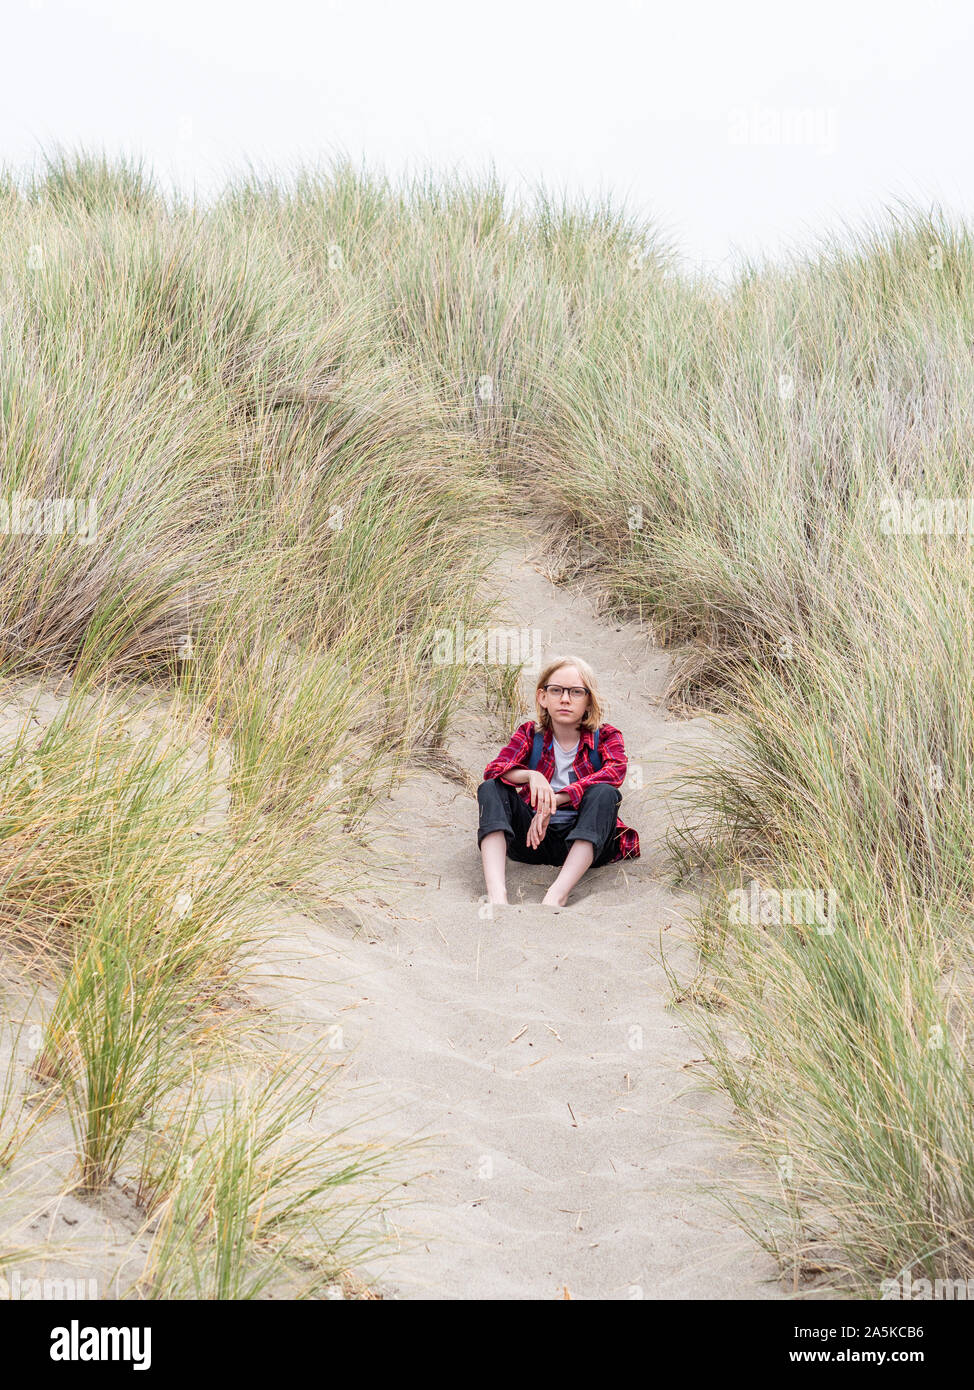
(560, 780)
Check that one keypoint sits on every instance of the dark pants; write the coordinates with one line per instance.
(502, 809)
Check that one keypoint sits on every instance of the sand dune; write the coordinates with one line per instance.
(534, 1049)
(567, 1149)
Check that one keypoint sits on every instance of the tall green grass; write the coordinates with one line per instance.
(253, 1197)
(305, 413)
(277, 517)
(739, 505)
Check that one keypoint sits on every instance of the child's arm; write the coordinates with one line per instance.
(515, 754)
(510, 767)
(612, 771)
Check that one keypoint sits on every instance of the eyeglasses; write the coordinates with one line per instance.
(557, 691)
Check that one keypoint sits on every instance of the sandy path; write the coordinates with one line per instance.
(536, 1048)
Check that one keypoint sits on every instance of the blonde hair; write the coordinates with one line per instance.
(592, 717)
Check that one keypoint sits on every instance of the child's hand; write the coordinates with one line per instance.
(536, 830)
(542, 793)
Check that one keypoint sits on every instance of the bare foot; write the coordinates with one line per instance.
(553, 900)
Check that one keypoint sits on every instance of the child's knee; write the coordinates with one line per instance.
(602, 791)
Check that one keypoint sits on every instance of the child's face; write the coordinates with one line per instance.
(564, 710)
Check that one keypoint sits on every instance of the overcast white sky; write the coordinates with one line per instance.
(740, 128)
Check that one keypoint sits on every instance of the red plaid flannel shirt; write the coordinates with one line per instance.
(613, 770)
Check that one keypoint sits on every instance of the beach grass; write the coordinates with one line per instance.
(293, 423)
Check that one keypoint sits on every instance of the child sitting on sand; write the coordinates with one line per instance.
(574, 797)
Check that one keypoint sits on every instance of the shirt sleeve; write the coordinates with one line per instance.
(515, 754)
(612, 771)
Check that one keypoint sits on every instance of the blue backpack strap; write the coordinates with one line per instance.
(535, 757)
(539, 738)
